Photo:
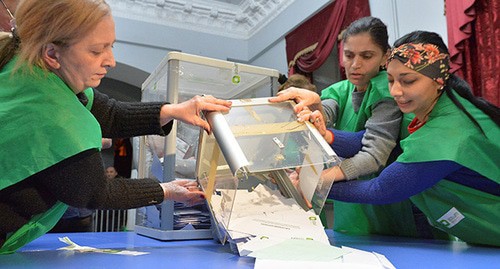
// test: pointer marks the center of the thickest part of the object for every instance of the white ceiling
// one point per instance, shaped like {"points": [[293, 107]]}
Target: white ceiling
{"points": [[230, 18]]}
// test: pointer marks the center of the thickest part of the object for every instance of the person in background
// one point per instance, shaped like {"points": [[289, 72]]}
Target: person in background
{"points": [[449, 165], [363, 124], [298, 81], [111, 220], [111, 172], [58, 51]]}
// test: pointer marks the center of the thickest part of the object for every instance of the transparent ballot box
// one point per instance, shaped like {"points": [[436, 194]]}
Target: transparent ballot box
{"points": [[178, 78], [260, 161]]}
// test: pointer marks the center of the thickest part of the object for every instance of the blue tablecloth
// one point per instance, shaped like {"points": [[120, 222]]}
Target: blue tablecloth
{"points": [[402, 252]]}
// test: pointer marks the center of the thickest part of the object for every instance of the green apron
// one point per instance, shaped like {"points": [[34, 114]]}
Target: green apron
{"points": [[42, 123], [363, 219], [469, 214]]}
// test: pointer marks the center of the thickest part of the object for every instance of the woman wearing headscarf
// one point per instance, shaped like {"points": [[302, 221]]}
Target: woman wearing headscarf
{"points": [[449, 167]]}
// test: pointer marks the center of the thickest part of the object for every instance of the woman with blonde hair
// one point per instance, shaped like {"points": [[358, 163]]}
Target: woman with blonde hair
{"points": [[52, 121]]}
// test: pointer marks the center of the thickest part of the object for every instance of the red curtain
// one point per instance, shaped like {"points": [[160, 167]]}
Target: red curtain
{"points": [[309, 45], [474, 44]]}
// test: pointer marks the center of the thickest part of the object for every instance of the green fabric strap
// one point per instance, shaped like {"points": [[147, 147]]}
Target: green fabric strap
{"points": [[36, 227], [363, 219], [42, 123]]}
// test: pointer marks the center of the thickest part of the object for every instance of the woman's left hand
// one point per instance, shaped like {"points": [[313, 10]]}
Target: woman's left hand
{"points": [[316, 118]]}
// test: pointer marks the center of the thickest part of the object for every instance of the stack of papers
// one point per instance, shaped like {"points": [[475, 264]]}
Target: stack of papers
{"points": [[301, 254], [278, 232]]}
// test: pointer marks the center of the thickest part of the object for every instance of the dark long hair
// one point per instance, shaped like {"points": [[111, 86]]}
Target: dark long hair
{"points": [[374, 27], [454, 83]]}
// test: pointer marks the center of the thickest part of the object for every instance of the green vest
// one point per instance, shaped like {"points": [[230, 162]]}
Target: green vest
{"points": [[469, 214], [363, 219], [42, 123]]}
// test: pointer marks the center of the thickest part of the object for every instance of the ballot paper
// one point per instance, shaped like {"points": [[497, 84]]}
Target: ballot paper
{"points": [[300, 250], [72, 246], [298, 255], [366, 258]]}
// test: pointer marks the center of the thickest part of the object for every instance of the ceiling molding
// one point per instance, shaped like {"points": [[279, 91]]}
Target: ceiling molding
{"points": [[239, 19]]}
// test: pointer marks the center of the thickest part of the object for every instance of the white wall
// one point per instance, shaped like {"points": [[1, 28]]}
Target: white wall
{"points": [[404, 16], [274, 57]]}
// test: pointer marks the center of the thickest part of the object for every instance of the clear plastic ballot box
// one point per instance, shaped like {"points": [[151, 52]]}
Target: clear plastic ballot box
{"points": [[178, 78], [259, 166]]}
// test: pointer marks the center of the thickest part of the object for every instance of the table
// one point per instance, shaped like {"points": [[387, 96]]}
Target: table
{"points": [[402, 252]]}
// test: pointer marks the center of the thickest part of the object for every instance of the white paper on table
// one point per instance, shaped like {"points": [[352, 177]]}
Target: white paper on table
{"points": [[300, 250], [256, 243], [354, 259], [72, 246], [366, 258], [384, 261], [273, 264]]}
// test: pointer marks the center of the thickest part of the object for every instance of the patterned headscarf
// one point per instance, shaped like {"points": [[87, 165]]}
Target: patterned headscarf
{"points": [[426, 59]]}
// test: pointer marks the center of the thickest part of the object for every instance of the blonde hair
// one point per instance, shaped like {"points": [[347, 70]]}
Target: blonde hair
{"points": [[62, 22], [299, 81]]}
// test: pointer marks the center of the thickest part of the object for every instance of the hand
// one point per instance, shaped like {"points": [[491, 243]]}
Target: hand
{"points": [[190, 111], [294, 178], [303, 98], [316, 118], [184, 191], [334, 174], [106, 143]]}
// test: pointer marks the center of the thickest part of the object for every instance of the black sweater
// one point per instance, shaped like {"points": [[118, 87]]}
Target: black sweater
{"points": [[80, 180]]}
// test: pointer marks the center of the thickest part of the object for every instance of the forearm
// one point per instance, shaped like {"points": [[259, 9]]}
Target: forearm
{"points": [[127, 119], [397, 182], [330, 111], [80, 181], [347, 144], [379, 139]]}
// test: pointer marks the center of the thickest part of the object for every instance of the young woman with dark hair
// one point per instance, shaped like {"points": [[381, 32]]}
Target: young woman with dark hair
{"points": [[449, 167], [363, 123]]}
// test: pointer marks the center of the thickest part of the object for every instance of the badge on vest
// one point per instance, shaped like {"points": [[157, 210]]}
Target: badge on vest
{"points": [[451, 218]]}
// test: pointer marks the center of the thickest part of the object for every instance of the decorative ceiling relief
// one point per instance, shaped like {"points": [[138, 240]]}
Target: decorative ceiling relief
{"points": [[230, 18]]}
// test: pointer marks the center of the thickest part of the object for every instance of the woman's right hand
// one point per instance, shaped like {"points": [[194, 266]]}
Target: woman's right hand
{"points": [[295, 180], [183, 191], [303, 98]]}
